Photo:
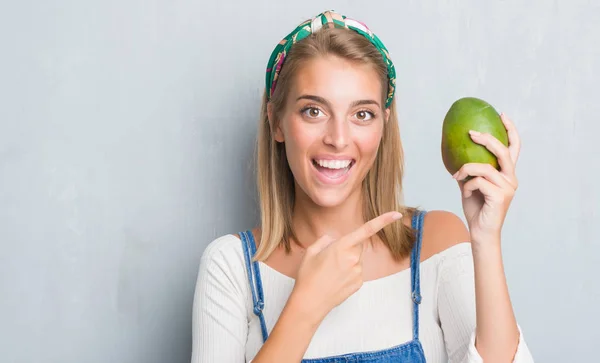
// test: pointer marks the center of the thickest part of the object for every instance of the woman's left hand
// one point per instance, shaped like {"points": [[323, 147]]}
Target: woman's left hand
{"points": [[487, 196]]}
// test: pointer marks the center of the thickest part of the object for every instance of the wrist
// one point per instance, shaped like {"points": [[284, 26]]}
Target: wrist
{"points": [[486, 249], [302, 312], [291, 335], [486, 241]]}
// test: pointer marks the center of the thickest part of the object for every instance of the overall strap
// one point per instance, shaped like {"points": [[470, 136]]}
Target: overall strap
{"points": [[258, 301], [415, 258]]}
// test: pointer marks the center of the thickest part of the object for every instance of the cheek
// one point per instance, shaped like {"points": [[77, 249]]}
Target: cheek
{"points": [[297, 142], [368, 142], [299, 136]]}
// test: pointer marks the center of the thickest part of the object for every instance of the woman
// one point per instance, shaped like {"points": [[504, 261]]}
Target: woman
{"points": [[340, 270]]}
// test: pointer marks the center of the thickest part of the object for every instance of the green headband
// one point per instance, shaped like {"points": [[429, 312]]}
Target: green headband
{"points": [[328, 19]]}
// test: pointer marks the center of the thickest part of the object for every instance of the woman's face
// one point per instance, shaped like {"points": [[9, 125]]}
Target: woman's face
{"points": [[332, 125]]}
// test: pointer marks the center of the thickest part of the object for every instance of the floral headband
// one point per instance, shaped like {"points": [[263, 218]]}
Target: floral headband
{"points": [[328, 19]]}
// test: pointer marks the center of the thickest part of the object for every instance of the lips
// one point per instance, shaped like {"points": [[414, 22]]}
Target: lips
{"points": [[333, 171]]}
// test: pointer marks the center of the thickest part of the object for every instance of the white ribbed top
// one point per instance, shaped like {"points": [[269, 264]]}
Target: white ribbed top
{"points": [[378, 316]]}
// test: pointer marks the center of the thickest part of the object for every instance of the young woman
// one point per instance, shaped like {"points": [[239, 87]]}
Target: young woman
{"points": [[340, 270]]}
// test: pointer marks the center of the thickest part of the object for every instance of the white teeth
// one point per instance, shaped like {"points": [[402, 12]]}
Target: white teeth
{"points": [[334, 164]]}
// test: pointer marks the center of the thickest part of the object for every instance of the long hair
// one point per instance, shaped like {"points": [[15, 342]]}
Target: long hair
{"points": [[382, 186]]}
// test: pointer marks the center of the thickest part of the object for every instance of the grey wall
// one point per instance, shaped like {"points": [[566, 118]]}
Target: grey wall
{"points": [[126, 129]]}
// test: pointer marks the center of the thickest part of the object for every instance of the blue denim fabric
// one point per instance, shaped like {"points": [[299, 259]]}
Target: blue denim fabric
{"points": [[409, 352]]}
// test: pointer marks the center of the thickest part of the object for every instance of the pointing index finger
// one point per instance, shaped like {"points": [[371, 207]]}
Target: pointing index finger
{"points": [[370, 228]]}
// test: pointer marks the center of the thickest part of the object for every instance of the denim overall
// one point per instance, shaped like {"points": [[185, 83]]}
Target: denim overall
{"points": [[409, 352]]}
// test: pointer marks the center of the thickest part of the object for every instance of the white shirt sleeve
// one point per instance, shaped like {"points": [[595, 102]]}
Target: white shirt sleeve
{"points": [[456, 307], [219, 324]]}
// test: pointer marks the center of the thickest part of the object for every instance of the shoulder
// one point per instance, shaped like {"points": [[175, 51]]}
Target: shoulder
{"points": [[222, 275], [224, 247], [224, 256], [442, 230]]}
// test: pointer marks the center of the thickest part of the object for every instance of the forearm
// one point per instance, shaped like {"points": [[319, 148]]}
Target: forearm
{"points": [[497, 335], [291, 335]]}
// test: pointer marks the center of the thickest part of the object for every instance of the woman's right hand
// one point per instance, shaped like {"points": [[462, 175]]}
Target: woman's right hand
{"points": [[331, 270]]}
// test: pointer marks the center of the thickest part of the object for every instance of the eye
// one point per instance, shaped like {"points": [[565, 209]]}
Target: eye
{"points": [[364, 115], [311, 112]]}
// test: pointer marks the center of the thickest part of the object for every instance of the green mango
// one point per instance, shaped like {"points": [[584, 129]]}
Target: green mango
{"points": [[470, 113]]}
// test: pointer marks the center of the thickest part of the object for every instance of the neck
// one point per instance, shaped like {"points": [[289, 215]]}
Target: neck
{"points": [[311, 221]]}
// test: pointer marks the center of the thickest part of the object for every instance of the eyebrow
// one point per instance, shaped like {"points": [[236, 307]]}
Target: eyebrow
{"points": [[326, 103]]}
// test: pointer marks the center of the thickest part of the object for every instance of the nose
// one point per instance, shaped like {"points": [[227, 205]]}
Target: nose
{"points": [[337, 133]]}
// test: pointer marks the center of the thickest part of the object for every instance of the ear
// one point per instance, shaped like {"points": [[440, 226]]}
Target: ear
{"points": [[387, 115], [276, 132]]}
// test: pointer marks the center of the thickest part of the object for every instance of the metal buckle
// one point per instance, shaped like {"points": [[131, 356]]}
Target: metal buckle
{"points": [[258, 307], [416, 297]]}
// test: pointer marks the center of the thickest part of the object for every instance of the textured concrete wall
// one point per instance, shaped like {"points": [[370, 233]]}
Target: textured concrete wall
{"points": [[126, 129]]}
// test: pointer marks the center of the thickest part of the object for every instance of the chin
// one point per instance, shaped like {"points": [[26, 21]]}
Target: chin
{"points": [[329, 199]]}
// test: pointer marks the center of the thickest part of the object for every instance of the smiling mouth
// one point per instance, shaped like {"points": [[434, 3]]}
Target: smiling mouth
{"points": [[333, 169]]}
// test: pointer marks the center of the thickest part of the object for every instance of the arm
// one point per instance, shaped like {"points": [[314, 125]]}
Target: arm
{"points": [[220, 323], [487, 193], [473, 303], [291, 335], [330, 271], [497, 332]]}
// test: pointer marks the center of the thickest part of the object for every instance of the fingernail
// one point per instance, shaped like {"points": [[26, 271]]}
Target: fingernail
{"points": [[475, 133], [397, 215], [455, 174]]}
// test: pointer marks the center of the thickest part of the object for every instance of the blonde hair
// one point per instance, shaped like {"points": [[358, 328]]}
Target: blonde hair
{"points": [[382, 186]]}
